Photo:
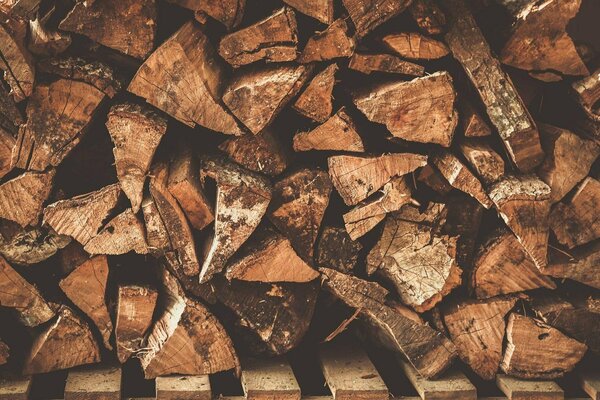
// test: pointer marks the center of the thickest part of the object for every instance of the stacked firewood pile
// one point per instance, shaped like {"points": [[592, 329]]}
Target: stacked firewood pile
{"points": [[186, 182]]}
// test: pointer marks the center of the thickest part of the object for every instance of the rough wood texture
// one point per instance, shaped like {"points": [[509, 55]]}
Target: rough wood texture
{"points": [[421, 110], [128, 26], [367, 63], [122, 234], [451, 385], [46, 41], [484, 160], [315, 102], [257, 95], [333, 42], [337, 133], [471, 121], [368, 14], [524, 205], [357, 177], [86, 288], [195, 387], [411, 242], [67, 342], [432, 178], [580, 265], [15, 388], [503, 104], [590, 383], [22, 198], [415, 46], [517, 389], [228, 12], [428, 16], [464, 220], [321, 10], [273, 39], [7, 142], [587, 94], [191, 81], [538, 351], [337, 250], [136, 132], [269, 379], [16, 62], [94, 383]]}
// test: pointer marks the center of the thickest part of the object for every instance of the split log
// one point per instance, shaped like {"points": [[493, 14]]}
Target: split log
{"points": [[57, 116], [10, 115], [21, 296], [31, 245], [414, 46], [262, 152], [394, 326], [298, 206], [67, 342], [484, 160], [357, 177], [7, 143], [86, 288], [464, 220], [369, 14], [366, 215], [321, 10], [4, 353], [367, 63], [44, 41], [16, 62], [315, 102], [421, 110], [22, 198], [333, 42], [472, 123], [186, 339], [71, 257], [460, 177], [411, 242], [428, 16], [122, 234], [580, 265], [273, 39], [227, 12], [256, 96], [81, 217], [538, 351], [587, 94], [242, 200], [191, 81], [136, 132], [524, 205], [184, 184], [477, 328], [156, 232], [128, 26], [569, 159], [269, 257], [502, 266], [337, 133], [337, 250], [503, 104], [20, 8], [135, 307], [434, 180], [576, 222]]}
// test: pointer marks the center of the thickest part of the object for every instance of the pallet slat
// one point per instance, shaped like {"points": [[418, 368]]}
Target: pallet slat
{"points": [[269, 379], [94, 383], [451, 385], [14, 388], [590, 383], [183, 388], [517, 389]]}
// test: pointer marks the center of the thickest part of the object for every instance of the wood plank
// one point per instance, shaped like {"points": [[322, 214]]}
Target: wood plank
{"points": [[269, 379], [94, 383], [349, 373], [195, 387], [517, 389], [15, 388], [590, 383], [452, 384]]}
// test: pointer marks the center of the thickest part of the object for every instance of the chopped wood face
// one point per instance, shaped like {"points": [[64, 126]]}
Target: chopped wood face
{"points": [[228, 12], [484, 160], [428, 16], [26, 246], [337, 250], [122, 234], [337, 133], [17, 64], [321, 10], [415, 46], [315, 102], [333, 42], [22, 198], [471, 121], [45, 41], [587, 93], [367, 63], [580, 266], [368, 14]]}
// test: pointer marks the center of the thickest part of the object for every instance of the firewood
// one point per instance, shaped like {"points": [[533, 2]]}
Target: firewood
{"points": [[337, 250], [502, 266], [539, 40], [31, 245], [186, 339], [587, 93], [46, 42], [86, 288], [273, 39], [428, 16], [369, 14], [396, 327], [191, 81], [4, 353], [71, 257], [298, 206], [321, 10], [184, 184], [333, 42], [471, 122], [22, 198], [580, 265], [20, 8], [357, 177], [477, 328], [460, 177], [81, 217], [269, 257], [366, 215], [136, 132], [21, 296], [415, 46], [411, 242], [367, 63], [228, 12], [122, 234], [509, 115], [262, 152], [256, 96], [538, 351], [67, 342], [434, 180], [135, 307], [17, 63], [524, 205], [421, 110], [315, 102], [10, 115], [242, 200], [464, 220], [569, 159], [484, 160], [128, 26], [337, 133], [57, 115]]}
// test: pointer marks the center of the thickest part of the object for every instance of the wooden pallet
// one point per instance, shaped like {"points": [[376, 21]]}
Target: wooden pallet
{"points": [[347, 370]]}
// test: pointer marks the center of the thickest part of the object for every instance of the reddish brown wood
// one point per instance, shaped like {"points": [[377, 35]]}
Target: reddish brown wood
{"points": [[333, 42], [367, 63], [321, 10], [415, 46], [368, 14], [22, 198], [315, 102], [337, 133]]}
